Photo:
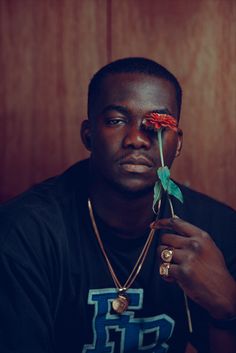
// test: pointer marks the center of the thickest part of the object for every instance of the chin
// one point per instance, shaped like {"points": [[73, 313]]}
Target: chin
{"points": [[133, 189]]}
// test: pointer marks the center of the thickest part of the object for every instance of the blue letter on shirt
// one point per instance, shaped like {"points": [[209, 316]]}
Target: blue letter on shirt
{"points": [[147, 335]]}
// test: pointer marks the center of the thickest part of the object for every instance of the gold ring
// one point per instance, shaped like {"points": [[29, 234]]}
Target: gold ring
{"points": [[167, 255], [164, 269]]}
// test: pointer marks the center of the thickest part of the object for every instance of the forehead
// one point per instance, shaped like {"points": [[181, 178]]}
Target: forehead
{"points": [[136, 91]]}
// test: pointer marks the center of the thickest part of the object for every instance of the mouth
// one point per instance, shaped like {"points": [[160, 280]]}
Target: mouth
{"points": [[136, 164]]}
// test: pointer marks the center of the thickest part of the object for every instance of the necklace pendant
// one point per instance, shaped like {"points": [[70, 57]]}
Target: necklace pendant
{"points": [[120, 304]]}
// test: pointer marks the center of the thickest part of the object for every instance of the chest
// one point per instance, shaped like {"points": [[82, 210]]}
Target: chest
{"points": [[154, 319]]}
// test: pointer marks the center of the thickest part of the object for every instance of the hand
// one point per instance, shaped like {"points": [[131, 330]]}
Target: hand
{"points": [[198, 267]]}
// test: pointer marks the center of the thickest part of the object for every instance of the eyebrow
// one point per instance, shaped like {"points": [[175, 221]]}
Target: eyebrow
{"points": [[126, 111], [119, 108]]}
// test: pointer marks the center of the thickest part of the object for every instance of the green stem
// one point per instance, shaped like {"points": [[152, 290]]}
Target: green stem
{"points": [[171, 206], [159, 137]]}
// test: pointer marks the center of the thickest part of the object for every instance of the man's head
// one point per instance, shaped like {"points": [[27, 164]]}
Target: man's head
{"points": [[121, 94], [131, 65]]}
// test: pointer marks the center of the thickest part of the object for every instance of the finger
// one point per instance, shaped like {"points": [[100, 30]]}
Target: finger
{"points": [[165, 270], [173, 240], [178, 255], [192, 245], [169, 272], [179, 226]]}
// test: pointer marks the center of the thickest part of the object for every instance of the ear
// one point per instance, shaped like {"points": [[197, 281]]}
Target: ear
{"points": [[85, 134], [179, 143]]}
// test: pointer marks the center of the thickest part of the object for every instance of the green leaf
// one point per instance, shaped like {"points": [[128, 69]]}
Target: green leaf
{"points": [[157, 194], [175, 191], [164, 176]]}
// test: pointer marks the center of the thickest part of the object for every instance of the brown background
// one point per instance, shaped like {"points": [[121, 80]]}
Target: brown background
{"points": [[50, 48]]}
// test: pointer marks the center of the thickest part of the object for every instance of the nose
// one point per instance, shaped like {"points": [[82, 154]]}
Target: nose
{"points": [[136, 137]]}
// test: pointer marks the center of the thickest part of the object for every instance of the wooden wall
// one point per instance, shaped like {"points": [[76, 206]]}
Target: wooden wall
{"points": [[50, 48]]}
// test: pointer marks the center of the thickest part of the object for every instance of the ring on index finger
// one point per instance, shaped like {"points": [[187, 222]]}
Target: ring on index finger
{"points": [[167, 255]]}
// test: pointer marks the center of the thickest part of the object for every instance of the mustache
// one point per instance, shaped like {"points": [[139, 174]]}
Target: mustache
{"points": [[136, 158]]}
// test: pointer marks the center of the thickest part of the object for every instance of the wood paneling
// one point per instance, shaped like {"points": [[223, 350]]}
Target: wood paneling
{"points": [[197, 41], [48, 52], [50, 48]]}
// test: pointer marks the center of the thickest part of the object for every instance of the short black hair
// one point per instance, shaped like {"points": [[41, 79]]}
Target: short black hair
{"points": [[132, 65]]}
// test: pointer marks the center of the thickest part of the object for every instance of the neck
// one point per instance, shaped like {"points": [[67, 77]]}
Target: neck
{"points": [[129, 214]]}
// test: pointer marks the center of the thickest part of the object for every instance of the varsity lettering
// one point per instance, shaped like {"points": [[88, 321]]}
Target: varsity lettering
{"points": [[132, 334]]}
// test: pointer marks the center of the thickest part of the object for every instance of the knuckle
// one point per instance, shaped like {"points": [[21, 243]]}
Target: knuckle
{"points": [[185, 271], [190, 257], [204, 234], [195, 245]]}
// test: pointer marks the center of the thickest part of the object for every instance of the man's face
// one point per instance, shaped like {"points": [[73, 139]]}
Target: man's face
{"points": [[122, 152]]}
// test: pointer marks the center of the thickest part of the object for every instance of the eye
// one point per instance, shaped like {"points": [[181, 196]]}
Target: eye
{"points": [[115, 121]]}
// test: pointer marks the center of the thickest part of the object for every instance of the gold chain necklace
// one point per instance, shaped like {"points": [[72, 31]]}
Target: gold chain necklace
{"points": [[120, 304]]}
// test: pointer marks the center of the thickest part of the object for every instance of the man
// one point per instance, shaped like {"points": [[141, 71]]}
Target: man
{"points": [[80, 268]]}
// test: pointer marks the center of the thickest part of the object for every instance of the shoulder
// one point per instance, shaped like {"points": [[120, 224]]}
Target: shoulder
{"points": [[51, 192], [200, 205], [216, 218], [36, 219]]}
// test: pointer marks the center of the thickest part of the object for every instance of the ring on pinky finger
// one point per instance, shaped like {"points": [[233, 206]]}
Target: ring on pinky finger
{"points": [[164, 269]]}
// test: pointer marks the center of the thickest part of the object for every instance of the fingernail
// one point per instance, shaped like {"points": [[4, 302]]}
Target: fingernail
{"points": [[155, 225], [152, 225]]}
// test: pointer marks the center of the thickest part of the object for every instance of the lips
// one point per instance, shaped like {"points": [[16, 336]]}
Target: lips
{"points": [[136, 164]]}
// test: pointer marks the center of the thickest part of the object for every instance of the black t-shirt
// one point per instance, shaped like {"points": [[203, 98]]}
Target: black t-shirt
{"points": [[56, 289]]}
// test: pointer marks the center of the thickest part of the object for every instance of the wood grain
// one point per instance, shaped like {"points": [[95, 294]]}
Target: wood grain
{"points": [[48, 52], [50, 48], [197, 41]]}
